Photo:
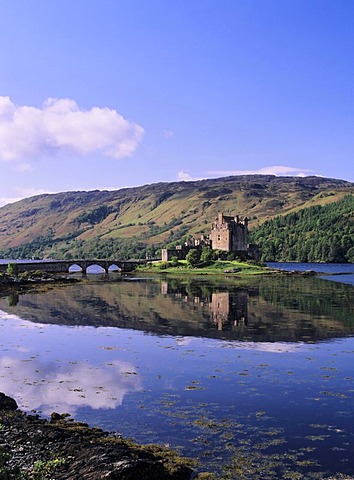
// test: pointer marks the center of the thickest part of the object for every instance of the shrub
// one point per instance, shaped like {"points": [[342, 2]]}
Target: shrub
{"points": [[217, 254], [12, 269], [13, 301], [231, 256], [163, 265], [174, 262]]}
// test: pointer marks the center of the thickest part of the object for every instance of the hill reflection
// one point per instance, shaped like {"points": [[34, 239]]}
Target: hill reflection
{"points": [[270, 309]]}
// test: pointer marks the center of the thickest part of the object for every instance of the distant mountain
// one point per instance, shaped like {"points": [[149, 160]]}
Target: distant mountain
{"points": [[134, 222]]}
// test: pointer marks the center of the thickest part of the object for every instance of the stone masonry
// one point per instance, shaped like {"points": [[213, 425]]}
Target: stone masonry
{"points": [[228, 234]]}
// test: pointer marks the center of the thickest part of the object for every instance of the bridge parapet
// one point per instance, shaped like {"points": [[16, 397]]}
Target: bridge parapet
{"points": [[63, 266]]}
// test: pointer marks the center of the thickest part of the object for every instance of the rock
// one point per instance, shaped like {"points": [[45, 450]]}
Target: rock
{"points": [[62, 449], [7, 403], [309, 272]]}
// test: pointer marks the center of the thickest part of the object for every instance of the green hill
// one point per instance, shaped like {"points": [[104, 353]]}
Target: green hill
{"points": [[134, 222], [315, 234]]}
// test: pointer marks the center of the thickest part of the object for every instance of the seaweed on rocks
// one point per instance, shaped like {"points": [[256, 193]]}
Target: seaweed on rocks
{"points": [[60, 448]]}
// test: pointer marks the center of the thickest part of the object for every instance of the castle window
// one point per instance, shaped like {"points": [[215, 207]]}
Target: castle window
{"points": [[219, 238]]}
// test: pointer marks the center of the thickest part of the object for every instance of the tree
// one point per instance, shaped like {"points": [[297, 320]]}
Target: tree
{"points": [[350, 255], [193, 257], [314, 234], [206, 256]]}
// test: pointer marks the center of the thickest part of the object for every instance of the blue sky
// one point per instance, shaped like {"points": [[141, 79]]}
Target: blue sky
{"points": [[113, 93]]}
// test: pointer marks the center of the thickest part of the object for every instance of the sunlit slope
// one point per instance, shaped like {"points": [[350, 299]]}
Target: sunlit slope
{"points": [[157, 213]]}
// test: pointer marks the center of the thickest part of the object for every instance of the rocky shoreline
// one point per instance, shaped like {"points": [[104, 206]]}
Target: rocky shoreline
{"points": [[60, 448], [33, 448], [32, 281], [36, 276]]}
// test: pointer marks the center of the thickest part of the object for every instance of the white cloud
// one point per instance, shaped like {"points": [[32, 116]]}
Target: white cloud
{"points": [[24, 167], [168, 134], [184, 341], [274, 347], [41, 384], [28, 132], [21, 194], [31, 192], [279, 170], [44, 386], [104, 188], [6, 200], [184, 176]]}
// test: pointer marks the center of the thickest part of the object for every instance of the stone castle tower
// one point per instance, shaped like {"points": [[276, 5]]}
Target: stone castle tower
{"points": [[229, 234]]}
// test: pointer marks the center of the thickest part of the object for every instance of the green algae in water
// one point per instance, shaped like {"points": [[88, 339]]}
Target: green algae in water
{"points": [[256, 399]]}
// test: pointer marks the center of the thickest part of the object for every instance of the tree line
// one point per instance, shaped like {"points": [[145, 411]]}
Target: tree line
{"points": [[314, 234]]}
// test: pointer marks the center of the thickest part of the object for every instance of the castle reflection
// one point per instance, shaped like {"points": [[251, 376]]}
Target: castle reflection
{"points": [[267, 310], [229, 310]]}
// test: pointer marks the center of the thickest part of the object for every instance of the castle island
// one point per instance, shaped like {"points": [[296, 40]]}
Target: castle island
{"points": [[227, 234]]}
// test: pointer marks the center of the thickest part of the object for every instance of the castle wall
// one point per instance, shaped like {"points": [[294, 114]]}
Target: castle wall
{"points": [[168, 253], [229, 234], [220, 237], [239, 238], [180, 252]]}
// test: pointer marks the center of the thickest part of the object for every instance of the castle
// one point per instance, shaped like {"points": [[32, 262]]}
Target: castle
{"points": [[228, 234]]}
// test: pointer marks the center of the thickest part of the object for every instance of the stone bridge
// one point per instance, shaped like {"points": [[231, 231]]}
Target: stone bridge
{"points": [[63, 266]]}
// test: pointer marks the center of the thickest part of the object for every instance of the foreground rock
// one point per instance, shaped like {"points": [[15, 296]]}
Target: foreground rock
{"points": [[59, 448]]}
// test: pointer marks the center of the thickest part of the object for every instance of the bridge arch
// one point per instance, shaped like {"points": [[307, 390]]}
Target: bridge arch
{"points": [[76, 267], [96, 263], [95, 267], [114, 267]]}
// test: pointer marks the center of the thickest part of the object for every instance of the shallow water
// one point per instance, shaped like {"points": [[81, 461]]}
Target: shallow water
{"points": [[252, 378], [336, 272]]}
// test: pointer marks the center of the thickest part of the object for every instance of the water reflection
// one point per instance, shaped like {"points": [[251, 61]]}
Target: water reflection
{"points": [[47, 369], [229, 310], [268, 310], [48, 387], [258, 392]]}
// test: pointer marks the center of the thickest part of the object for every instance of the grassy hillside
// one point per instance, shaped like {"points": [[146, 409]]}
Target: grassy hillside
{"points": [[137, 221]]}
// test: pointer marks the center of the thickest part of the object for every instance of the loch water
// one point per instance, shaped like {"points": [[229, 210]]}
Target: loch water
{"points": [[253, 377]]}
